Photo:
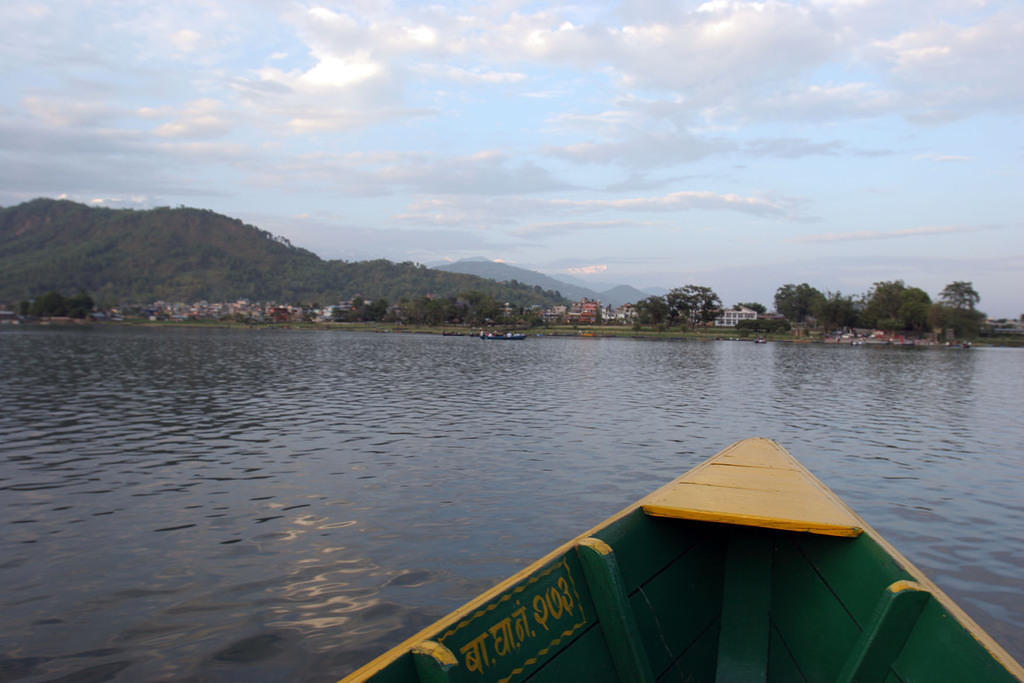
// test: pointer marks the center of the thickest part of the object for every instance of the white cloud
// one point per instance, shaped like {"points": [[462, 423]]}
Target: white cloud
{"points": [[643, 150], [186, 40], [687, 200], [64, 111], [335, 121], [588, 270], [518, 214], [132, 201], [206, 152], [420, 36], [328, 16], [203, 118], [329, 72], [924, 231], [641, 134], [340, 72], [941, 158], [948, 69], [152, 112], [591, 115], [565, 227], [814, 102], [708, 54], [792, 148], [485, 174], [469, 76]]}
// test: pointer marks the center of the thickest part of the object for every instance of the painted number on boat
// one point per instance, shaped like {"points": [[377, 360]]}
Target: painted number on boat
{"points": [[506, 637]]}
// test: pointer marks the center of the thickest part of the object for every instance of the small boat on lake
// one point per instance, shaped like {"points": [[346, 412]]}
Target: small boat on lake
{"points": [[746, 568], [505, 336]]}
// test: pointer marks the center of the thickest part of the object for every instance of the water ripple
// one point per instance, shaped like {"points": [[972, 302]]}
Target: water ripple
{"points": [[197, 504]]}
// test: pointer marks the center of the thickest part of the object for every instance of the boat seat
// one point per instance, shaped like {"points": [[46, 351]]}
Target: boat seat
{"points": [[880, 643], [604, 579], [746, 603], [745, 630]]}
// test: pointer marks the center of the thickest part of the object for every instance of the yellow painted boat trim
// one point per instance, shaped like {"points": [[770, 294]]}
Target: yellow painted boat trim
{"points": [[766, 457], [754, 483], [436, 651]]}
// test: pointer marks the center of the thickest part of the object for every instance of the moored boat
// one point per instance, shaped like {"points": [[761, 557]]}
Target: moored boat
{"points": [[745, 568], [506, 335]]}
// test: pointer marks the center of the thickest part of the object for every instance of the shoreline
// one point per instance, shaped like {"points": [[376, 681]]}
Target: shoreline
{"points": [[563, 331]]}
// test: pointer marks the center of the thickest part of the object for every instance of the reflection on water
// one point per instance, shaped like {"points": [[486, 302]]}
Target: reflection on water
{"points": [[268, 505]]}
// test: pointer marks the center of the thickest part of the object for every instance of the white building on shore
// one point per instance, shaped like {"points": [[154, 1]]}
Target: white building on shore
{"points": [[730, 317]]}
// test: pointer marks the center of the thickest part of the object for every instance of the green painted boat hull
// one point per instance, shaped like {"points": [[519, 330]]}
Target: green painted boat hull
{"points": [[643, 598]]}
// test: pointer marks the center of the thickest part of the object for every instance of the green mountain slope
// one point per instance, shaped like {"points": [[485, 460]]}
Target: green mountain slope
{"points": [[183, 254]]}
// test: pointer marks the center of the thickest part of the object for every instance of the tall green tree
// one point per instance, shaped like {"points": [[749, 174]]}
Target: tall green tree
{"points": [[480, 307], [378, 310], [914, 309], [708, 304], [679, 305], [693, 304], [882, 305], [960, 296], [957, 309], [51, 303], [893, 306], [80, 305], [797, 302], [653, 310], [835, 311]]}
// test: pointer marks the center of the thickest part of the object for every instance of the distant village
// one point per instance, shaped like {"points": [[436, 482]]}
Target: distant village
{"points": [[583, 312]]}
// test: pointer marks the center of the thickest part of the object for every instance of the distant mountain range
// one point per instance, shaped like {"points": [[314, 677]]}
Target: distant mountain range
{"points": [[502, 272], [183, 254]]}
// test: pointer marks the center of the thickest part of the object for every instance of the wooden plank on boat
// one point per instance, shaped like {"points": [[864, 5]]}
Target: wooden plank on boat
{"points": [[755, 483], [746, 610]]}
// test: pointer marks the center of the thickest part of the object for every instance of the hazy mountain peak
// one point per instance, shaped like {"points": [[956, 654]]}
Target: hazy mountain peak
{"points": [[613, 295]]}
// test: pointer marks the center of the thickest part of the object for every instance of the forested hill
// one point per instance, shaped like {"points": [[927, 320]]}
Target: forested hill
{"points": [[183, 254]]}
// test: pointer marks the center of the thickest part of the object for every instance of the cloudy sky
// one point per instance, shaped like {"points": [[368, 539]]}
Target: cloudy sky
{"points": [[739, 145]]}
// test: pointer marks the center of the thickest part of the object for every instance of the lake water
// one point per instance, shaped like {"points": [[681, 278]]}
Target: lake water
{"points": [[266, 505]]}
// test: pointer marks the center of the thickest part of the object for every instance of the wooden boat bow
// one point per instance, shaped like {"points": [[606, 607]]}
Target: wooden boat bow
{"points": [[745, 568], [754, 483]]}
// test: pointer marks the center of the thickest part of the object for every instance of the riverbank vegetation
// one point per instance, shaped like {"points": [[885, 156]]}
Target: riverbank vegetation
{"points": [[889, 306], [889, 309]]}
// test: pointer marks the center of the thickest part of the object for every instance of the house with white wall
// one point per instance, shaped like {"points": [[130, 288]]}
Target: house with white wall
{"points": [[732, 316]]}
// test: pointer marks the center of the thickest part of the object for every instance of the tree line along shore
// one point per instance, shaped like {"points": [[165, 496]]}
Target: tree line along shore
{"points": [[889, 310]]}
